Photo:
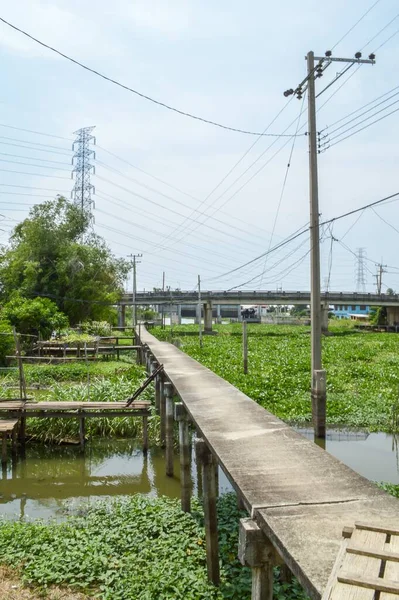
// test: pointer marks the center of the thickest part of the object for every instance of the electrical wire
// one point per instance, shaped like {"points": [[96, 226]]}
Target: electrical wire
{"points": [[362, 128], [36, 132], [356, 24], [363, 121], [133, 91], [384, 221], [34, 174], [283, 186], [58, 162], [16, 162]]}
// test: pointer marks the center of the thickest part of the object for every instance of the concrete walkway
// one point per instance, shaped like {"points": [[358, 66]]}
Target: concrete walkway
{"points": [[300, 495]]}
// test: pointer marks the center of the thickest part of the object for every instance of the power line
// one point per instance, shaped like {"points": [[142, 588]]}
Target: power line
{"points": [[34, 174], [133, 91], [33, 158], [362, 128], [3, 137], [36, 132], [283, 186], [16, 162], [356, 24], [363, 121]]}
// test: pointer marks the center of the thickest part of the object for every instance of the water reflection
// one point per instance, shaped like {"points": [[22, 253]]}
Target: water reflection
{"points": [[39, 482], [373, 455], [48, 481]]}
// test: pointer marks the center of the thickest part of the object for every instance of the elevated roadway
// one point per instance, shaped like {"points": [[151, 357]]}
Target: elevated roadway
{"points": [[258, 297]]}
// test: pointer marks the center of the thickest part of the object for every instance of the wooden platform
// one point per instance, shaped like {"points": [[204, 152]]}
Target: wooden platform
{"points": [[299, 495], [7, 429], [367, 565], [20, 410]]}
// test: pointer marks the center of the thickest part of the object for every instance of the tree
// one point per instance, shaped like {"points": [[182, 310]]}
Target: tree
{"points": [[390, 292], [54, 254], [34, 316]]}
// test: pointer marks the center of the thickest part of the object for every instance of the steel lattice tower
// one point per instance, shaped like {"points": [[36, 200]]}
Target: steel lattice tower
{"points": [[361, 270], [83, 189]]}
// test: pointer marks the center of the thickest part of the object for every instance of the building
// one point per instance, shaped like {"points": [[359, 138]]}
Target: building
{"points": [[358, 312]]}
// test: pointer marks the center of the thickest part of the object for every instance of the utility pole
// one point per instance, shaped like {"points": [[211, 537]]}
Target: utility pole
{"points": [[318, 376], [134, 273], [200, 310], [163, 306], [380, 271], [83, 169]]}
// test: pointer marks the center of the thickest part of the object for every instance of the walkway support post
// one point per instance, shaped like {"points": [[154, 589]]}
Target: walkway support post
{"points": [[209, 467], [82, 432], [168, 392], [218, 315], [319, 403], [184, 444], [245, 346], [162, 409], [158, 391], [255, 551]]}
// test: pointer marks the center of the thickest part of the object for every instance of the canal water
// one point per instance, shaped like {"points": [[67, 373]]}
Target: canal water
{"points": [[52, 481]]}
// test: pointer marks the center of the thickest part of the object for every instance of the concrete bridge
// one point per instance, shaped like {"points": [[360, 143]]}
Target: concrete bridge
{"points": [[211, 299]]}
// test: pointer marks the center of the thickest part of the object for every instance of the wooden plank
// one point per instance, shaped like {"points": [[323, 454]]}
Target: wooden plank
{"points": [[8, 425], [388, 530], [391, 571], [370, 583], [382, 554]]}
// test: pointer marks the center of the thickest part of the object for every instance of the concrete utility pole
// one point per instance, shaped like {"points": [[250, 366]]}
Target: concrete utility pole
{"points": [[199, 310], [318, 378], [378, 277], [134, 272], [163, 307]]}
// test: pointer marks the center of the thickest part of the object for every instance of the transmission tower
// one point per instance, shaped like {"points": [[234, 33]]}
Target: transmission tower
{"points": [[361, 270], [83, 189]]}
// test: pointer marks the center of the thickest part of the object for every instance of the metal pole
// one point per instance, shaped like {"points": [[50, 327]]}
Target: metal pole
{"points": [[315, 300], [200, 310]]}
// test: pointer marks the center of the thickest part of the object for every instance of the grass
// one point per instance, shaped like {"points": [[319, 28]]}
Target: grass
{"points": [[140, 548], [362, 370]]}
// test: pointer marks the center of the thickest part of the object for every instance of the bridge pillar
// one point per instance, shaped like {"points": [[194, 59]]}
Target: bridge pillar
{"points": [[239, 315], [324, 317], [178, 309], [122, 315], [198, 311], [393, 316], [218, 315], [207, 317]]}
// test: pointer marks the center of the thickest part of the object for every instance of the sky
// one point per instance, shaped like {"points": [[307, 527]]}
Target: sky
{"points": [[192, 198]]}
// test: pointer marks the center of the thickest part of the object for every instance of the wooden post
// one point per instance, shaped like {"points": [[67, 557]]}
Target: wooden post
{"points": [[14, 440], [198, 463], [117, 347], [162, 410], [184, 444], [168, 392], [22, 428], [158, 393], [245, 346], [145, 434], [4, 448], [319, 403], [82, 432], [255, 551], [209, 467]]}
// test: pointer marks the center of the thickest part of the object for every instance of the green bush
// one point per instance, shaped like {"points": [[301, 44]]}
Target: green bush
{"points": [[34, 316], [6, 341]]}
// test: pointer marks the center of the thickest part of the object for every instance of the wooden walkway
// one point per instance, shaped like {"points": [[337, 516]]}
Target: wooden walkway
{"points": [[299, 495]]}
